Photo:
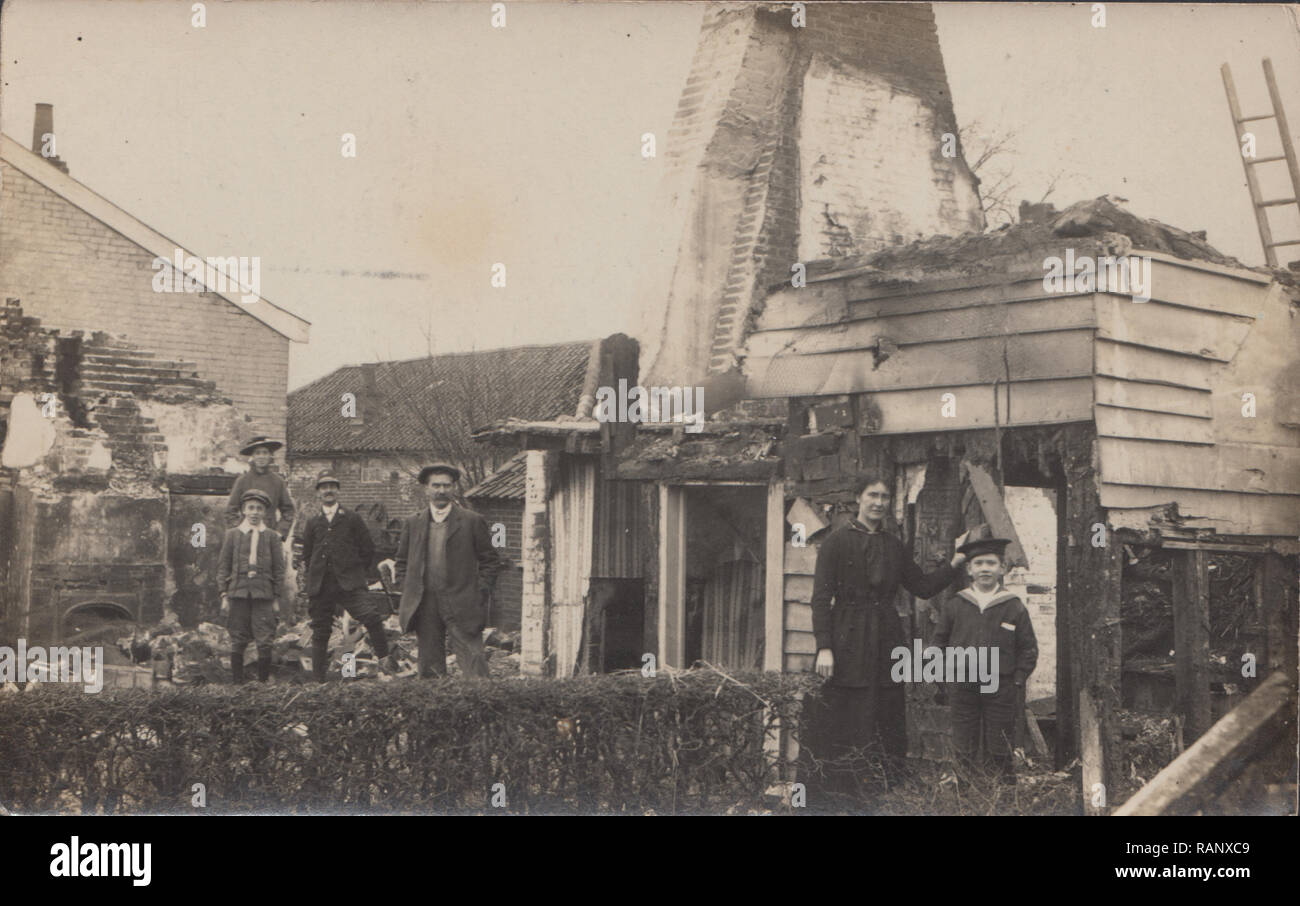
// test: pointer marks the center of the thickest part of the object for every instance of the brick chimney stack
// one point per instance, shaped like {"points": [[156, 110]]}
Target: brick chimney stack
{"points": [[829, 137], [43, 126]]}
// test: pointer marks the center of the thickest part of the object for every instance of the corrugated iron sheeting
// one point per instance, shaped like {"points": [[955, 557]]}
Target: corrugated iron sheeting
{"points": [[620, 530], [733, 616], [572, 512]]}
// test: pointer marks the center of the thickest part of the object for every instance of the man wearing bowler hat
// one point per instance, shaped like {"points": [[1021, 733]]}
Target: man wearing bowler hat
{"points": [[338, 552], [279, 512], [446, 567]]}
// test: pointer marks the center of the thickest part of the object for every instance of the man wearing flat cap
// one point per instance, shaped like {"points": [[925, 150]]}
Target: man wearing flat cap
{"points": [[279, 512], [339, 552], [987, 617], [446, 567]]}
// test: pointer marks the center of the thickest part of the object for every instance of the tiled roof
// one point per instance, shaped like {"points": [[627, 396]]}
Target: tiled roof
{"points": [[472, 389], [506, 482]]}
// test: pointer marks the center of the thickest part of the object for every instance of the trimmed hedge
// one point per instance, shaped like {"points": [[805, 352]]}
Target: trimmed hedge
{"points": [[681, 742]]}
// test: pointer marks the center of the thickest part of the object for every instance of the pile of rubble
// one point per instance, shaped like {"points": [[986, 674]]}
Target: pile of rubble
{"points": [[202, 654]]}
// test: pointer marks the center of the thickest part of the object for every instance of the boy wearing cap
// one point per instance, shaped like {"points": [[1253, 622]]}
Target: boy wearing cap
{"points": [[250, 575], [338, 551], [446, 567], [986, 615], [259, 475]]}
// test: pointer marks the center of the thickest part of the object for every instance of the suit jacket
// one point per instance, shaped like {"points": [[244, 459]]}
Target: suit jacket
{"points": [[233, 577], [344, 545], [472, 566]]}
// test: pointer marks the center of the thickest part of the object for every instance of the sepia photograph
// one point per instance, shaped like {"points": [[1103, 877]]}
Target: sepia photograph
{"points": [[649, 409]]}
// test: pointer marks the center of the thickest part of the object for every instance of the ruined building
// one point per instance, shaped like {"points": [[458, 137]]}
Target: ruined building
{"points": [[376, 425], [823, 273], [112, 489], [79, 262], [122, 408]]}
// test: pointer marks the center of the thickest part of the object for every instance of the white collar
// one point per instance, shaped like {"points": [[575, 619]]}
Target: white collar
{"points": [[329, 510], [985, 600], [247, 527], [434, 512]]}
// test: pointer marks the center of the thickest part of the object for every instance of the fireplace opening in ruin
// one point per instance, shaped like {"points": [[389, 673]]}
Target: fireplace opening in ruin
{"points": [[96, 624]]}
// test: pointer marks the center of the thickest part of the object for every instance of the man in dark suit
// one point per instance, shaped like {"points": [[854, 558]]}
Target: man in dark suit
{"points": [[446, 567], [338, 552]]}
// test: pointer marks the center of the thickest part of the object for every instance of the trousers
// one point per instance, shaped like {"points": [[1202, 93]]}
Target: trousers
{"points": [[431, 632], [988, 718], [321, 609]]}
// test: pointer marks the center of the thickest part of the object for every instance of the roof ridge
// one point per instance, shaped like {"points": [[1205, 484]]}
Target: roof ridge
{"points": [[441, 356]]}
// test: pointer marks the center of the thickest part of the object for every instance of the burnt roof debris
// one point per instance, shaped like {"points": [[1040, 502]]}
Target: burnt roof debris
{"points": [[1100, 224]]}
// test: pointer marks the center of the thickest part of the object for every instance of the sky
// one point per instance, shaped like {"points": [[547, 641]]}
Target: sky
{"points": [[471, 139]]}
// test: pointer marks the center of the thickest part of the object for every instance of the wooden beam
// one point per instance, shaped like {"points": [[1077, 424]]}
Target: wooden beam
{"points": [[672, 575], [1195, 776], [799, 663], [1176, 545], [1049, 313], [1089, 592], [1093, 762], [802, 561], [534, 604], [1191, 587], [798, 616], [1184, 330], [774, 572], [994, 510], [1138, 363], [1113, 421], [799, 588], [800, 643], [1056, 354], [1226, 512], [1153, 397], [1035, 733], [1278, 603], [1039, 402], [1226, 466]]}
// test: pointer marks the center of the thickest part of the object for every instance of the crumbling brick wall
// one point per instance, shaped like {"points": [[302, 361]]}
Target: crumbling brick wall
{"points": [[87, 515], [75, 273]]}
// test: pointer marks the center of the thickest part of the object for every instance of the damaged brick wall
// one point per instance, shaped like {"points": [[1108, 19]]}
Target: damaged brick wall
{"points": [[88, 513], [76, 273]]}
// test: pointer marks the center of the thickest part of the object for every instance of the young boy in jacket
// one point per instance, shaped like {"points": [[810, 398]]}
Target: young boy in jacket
{"points": [[250, 575], [987, 616]]}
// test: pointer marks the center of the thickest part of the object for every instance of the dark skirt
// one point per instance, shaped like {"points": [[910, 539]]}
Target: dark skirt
{"points": [[853, 742]]}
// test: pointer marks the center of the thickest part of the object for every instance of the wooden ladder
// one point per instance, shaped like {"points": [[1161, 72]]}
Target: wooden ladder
{"points": [[1261, 205]]}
